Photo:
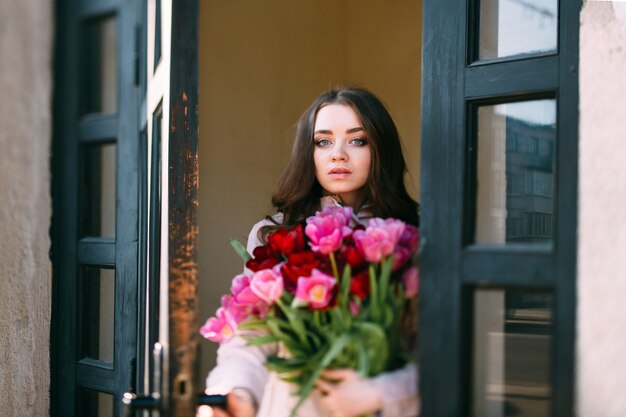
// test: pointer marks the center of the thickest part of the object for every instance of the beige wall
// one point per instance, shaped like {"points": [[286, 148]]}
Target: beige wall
{"points": [[601, 317], [25, 279], [261, 64]]}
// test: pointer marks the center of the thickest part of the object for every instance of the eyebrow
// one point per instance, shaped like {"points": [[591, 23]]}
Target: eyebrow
{"points": [[330, 132]]}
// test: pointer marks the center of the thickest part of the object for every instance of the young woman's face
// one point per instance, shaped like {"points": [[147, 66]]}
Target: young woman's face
{"points": [[342, 153]]}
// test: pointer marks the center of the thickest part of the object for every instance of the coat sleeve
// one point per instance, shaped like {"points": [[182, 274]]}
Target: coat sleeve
{"points": [[400, 392], [240, 365]]}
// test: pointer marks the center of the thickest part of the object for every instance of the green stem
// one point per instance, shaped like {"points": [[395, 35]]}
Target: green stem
{"points": [[333, 263]]}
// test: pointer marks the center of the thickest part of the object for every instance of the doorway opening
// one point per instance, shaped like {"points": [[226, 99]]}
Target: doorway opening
{"points": [[260, 66]]}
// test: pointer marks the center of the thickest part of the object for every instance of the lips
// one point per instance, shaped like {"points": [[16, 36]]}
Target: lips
{"points": [[339, 170]]}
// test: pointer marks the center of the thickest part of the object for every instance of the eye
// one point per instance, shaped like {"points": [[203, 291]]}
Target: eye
{"points": [[323, 142], [358, 142]]}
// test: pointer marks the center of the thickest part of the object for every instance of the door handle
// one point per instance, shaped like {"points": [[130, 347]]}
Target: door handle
{"points": [[133, 402]]}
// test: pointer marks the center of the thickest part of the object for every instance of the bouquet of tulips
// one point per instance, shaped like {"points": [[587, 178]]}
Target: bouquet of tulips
{"points": [[332, 294]]}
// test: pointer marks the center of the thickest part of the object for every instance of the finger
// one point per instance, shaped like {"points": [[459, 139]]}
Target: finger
{"points": [[323, 386], [338, 374], [204, 411]]}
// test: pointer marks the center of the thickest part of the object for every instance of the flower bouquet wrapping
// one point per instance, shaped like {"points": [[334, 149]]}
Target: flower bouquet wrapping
{"points": [[332, 294]]}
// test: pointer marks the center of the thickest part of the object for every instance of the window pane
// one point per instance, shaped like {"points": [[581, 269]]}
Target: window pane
{"points": [[511, 360], [512, 27], [97, 301], [99, 190], [515, 172], [99, 66], [157, 34], [94, 403]]}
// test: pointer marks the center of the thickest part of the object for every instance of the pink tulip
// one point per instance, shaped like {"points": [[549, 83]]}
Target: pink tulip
{"points": [[220, 328], [241, 291], [379, 239], [267, 284], [411, 281], [316, 290], [244, 297], [239, 312], [327, 229]]}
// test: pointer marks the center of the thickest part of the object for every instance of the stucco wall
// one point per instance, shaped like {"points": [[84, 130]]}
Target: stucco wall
{"points": [[601, 317], [25, 279], [261, 64]]}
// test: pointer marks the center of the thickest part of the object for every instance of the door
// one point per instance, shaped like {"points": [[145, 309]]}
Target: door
{"points": [[124, 227], [95, 225], [499, 179]]}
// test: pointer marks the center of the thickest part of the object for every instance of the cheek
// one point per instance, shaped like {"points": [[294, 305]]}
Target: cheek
{"points": [[317, 160], [365, 161]]}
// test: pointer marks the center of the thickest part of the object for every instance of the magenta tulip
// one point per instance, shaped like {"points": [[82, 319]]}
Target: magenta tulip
{"points": [[327, 229]]}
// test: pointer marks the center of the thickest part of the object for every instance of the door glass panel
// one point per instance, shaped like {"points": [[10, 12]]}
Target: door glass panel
{"points": [[515, 172], [157, 34], [94, 403], [97, 299], [99, 66], [513, 27], [511, 359], [99, 190]]}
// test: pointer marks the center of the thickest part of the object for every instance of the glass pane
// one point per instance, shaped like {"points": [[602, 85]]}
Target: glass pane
{"points": [[157, 34], [511, 360], [515, 172], [99, 190], [512, 27], [99, 66], [94, 403], [97, 312]]}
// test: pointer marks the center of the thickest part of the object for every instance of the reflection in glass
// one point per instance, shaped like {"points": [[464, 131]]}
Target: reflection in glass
{"points": [[515, 172], [94, 403], [99, 66], [98, 190], [157, 34], [512, 27], [511, 360], [97, 303]]}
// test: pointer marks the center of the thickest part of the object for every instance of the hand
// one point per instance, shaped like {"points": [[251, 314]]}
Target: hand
{"points": [[239, 403], [346, 394]]}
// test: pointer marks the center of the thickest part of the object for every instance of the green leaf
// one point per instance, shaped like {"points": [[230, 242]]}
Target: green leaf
{"points": [[334, 350], [263, 340], [240, 249]]}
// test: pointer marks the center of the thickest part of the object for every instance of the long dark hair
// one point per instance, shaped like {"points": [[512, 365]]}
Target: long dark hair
{"points": [[298, 194]]}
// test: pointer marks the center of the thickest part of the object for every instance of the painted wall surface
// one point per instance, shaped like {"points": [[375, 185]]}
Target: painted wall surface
{"points": [[261, 64], [601, 316], [25, 207]]}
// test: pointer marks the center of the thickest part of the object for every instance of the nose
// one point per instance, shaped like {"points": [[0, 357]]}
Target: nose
{"points": [[338, 153]]}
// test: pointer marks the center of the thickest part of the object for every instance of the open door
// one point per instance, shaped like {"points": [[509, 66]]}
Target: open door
{"points": [[124, 228], [499, 181]]}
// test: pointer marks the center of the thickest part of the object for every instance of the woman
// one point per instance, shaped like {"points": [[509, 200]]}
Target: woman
{"points": [[347, 152]]}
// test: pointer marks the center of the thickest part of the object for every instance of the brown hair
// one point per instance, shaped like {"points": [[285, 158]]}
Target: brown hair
{"points": [[298, 194]]}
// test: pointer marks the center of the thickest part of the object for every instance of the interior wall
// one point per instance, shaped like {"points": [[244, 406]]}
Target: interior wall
{"points": [[261, 64]]}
